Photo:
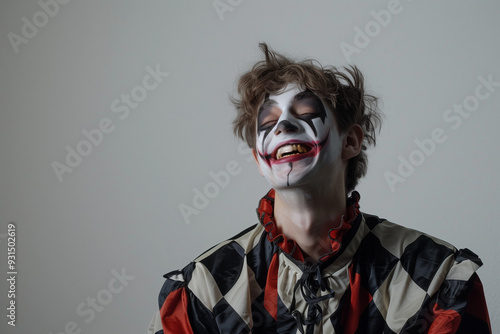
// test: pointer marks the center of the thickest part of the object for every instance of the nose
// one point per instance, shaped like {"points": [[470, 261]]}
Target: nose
{"points": [[285, 126]]}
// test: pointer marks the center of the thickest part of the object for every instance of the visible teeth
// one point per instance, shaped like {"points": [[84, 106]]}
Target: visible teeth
{"points": [[288, 150]]}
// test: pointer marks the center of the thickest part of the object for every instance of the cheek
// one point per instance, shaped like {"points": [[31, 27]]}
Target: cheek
{"points": [[334, 148], [264, 139], [322, 128]]}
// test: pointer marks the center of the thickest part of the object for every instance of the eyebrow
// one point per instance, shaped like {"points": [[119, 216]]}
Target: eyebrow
{"points": [[304, 95], [308, 98], [307, 94]]}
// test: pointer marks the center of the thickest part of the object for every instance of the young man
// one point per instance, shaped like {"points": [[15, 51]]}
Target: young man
{"points": [[314, 263]]}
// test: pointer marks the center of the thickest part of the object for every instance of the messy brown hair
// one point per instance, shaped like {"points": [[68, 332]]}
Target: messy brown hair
{"points": [[342, 92]]}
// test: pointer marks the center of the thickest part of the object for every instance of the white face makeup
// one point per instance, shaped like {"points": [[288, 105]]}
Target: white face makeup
{"points": [[297, 138]]}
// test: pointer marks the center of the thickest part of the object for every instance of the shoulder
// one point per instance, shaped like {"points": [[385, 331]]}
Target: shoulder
{"points": [[404, 241], [229, 256], [399, 239], [238, 245], [222, 268], [404, 251]]}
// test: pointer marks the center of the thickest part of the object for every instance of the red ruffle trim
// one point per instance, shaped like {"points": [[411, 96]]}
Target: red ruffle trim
{"points": [[265, 212]]}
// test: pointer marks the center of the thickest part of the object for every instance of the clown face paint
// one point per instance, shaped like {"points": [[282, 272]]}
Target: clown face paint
{"points": [[297, 139]]}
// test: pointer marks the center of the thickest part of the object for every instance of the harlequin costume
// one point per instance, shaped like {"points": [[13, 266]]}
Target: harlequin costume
{"points": [[379, 277]]}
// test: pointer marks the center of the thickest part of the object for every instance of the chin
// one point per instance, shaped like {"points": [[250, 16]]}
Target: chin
{"points": [[302, 173]]}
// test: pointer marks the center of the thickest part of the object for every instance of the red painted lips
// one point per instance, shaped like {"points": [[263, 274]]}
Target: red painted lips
{"points": [[293, 150]]}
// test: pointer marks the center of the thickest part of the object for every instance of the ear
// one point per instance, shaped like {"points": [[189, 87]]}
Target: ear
{"points": [[353, 142], [254, 152]]}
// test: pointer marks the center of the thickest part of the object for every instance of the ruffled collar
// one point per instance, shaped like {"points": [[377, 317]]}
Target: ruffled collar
{"points": [[265, 212]]}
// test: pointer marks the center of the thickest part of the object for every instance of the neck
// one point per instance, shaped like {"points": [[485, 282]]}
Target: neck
{"points": [[307, 214]]}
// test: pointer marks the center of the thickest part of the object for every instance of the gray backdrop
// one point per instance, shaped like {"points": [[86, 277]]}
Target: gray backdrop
{"points": [[115, 118]]}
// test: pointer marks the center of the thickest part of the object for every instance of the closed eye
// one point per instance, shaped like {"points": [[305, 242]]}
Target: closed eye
{"points": [[267, 125], [309, 114], [306, 111], [268, 117]]}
